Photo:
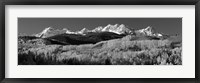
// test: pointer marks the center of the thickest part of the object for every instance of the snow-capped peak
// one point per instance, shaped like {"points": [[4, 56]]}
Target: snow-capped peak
{"points": [[98, 29], [67, 31], [109, 27], [46, 30], [83, 31], [122, 25], [149, 31], [118, 29]]}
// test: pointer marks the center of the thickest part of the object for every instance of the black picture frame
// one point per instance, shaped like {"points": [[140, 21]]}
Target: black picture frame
{"points": [[98, 2]]}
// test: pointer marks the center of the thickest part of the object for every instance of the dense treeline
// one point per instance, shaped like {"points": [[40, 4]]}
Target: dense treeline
{"points": [[124, 51]]}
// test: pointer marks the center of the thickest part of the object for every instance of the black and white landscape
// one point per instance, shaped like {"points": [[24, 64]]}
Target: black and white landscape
{"points": [[135, 41]]}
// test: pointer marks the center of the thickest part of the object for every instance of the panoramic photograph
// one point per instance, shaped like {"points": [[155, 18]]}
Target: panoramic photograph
{"points": [[99, 41]]}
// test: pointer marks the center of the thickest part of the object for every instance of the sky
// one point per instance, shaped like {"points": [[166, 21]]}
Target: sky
{"points": [[36, 25]]}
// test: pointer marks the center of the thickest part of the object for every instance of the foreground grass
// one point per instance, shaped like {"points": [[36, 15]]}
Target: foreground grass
{"points": [[113, 52]]}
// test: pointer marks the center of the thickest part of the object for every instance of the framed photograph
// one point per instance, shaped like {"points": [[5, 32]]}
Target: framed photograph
{"points": [[56, 40]]}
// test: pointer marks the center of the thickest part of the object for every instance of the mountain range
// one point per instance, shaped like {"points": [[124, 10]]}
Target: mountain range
{"points": [[64, 36], [117, 29]]}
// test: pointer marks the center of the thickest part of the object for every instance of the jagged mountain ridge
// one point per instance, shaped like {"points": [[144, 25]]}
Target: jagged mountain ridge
{"points": [[117, 29], [98, 34]]}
